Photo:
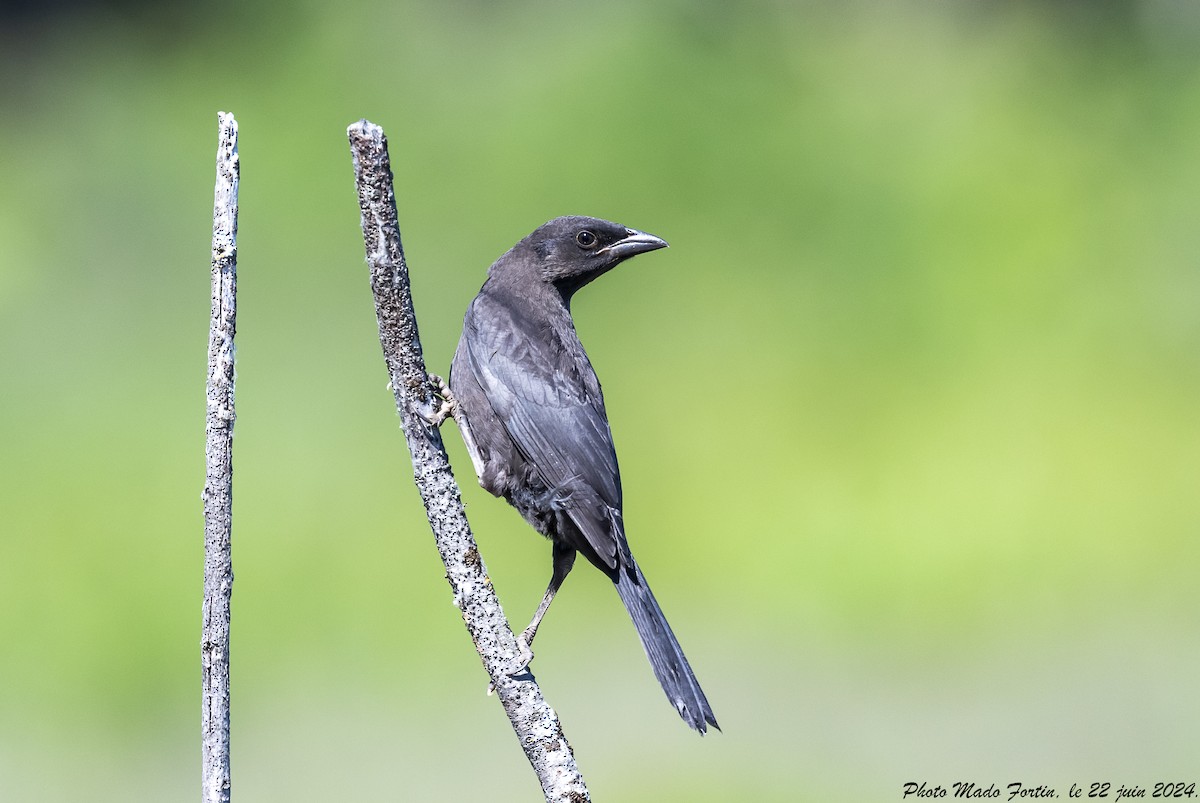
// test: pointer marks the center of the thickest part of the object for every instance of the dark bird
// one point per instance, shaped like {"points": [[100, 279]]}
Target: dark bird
{"points": [[530, 410]]}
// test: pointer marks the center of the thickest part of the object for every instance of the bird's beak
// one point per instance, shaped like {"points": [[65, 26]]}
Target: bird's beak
{"points": [[633, 243]]}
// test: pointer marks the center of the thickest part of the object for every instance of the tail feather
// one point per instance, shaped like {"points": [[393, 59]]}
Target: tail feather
{"points": [[662, 648]]}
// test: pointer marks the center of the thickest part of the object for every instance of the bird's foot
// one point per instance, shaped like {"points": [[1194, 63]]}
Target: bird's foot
{"points": [[520, 665], [448, 407], [524, 655]]}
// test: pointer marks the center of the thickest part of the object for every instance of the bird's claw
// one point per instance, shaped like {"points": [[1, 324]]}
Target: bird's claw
{"points": [[519, 666], [448, 407]]}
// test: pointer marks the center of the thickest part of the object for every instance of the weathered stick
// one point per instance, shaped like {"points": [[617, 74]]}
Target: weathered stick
{"points": [[218, 482], [533, 720]]}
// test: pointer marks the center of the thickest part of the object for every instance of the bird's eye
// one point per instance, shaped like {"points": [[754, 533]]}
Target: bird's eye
{"points": [[585, 239]]}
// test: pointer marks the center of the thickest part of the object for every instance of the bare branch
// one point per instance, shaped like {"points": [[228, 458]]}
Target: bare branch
{"points": [[534, 721], [218, 483]]}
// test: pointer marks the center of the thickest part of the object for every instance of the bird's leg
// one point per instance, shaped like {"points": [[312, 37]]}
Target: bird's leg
{"points": [[564, 559], [450, 408]]}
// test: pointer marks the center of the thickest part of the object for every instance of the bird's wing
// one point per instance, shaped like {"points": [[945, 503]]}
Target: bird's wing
{"points": [[544, 391]]}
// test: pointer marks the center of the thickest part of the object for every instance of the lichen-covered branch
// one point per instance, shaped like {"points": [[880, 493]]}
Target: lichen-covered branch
{"points": [[218, 482], [534, 721]]}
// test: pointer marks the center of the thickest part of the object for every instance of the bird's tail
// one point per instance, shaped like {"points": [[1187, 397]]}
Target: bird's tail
{"points": [[666, 656]]}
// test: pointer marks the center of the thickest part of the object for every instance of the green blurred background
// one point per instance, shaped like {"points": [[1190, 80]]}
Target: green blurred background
{"points": [[907, 413]]}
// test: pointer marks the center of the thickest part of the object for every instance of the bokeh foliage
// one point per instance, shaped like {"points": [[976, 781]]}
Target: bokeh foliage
{"points": [[907, 414]]}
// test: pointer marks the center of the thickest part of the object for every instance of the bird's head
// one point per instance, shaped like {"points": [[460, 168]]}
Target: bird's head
{"points": [[572, 251]]}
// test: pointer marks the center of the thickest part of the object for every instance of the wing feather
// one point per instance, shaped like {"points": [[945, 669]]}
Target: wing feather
{"points": [[545, 393]]}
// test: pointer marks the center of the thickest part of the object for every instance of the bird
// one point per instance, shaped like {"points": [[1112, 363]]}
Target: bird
{"points": [[531, 413]]}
